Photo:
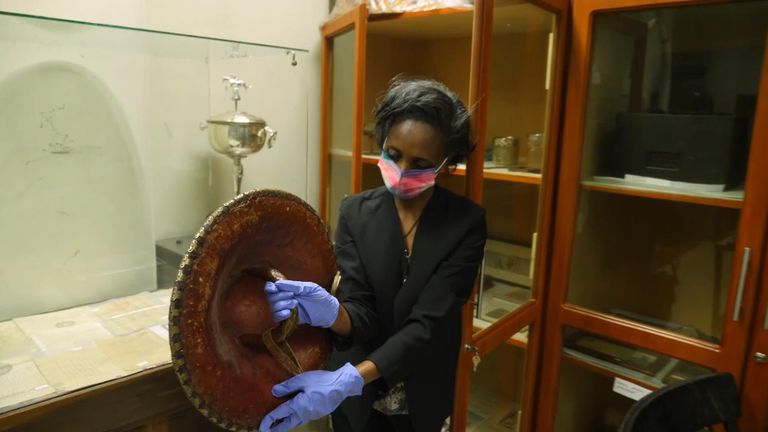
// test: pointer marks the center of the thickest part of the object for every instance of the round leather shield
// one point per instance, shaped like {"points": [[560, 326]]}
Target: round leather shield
{"points": [[227, 351]]}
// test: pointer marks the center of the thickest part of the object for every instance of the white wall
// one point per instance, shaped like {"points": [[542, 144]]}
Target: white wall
{"points": [[293, 23]]}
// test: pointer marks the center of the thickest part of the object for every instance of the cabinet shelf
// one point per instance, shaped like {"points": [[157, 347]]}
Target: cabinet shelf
{"points": [[488, 174], [610, 370], [511, 176], [340, 154], [727, 199], [615, 359]]}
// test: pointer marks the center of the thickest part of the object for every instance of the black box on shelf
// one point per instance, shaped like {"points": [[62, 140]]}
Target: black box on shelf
{"points": [[693, 148], [168, 255]]}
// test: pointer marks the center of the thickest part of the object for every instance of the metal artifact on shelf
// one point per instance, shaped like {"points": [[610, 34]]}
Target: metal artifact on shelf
{"points": [[238, 134]]}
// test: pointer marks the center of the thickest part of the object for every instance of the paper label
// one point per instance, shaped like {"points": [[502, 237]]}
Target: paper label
{"points": [[628, 389]]}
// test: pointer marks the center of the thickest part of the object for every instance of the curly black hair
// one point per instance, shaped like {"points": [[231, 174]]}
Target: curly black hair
{"points": [[431, 102]]}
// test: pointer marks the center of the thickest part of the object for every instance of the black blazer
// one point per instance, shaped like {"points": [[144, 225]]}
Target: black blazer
{"points": [[412, 332]]}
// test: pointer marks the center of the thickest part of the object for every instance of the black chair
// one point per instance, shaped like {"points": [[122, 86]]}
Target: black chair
{"points": [[689, 406]]}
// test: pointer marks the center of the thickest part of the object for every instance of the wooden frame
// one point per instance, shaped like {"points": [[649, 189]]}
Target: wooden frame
{"points": [[666, 196], [481, 35], [144, 400], [546, 238], [361, 25], [356, 20], [548, 313], [754, 394], [729, 354], [406, 15]]}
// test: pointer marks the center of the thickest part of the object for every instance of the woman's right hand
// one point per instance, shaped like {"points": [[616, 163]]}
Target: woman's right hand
{"points": [[314, 394], [316, 306]]}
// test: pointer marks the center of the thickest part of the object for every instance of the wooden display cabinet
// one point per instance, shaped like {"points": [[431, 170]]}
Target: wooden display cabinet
{"points": [[656, 269], [644, 260], [504, 59]]}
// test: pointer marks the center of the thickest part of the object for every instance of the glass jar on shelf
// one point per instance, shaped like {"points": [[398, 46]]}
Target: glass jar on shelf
{"points": [[505, 151], [535, 146]]}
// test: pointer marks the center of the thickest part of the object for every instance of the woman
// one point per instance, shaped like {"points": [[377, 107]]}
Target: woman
{"points": [[408, 254]]}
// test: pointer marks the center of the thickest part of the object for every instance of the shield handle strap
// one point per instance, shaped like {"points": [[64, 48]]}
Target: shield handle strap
{"points": [[277, 343], [280, 348]]}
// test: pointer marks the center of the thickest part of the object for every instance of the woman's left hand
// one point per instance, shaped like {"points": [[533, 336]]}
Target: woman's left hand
{"points": [[316, 306], [318, 393]]}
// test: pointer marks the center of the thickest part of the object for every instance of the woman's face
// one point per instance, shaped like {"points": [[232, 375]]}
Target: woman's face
{"points": [[413, 144]]}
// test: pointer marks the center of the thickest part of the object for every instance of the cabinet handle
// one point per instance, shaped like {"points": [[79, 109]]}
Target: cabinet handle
{"points": [[742, 279], [534, 245], [765, 321]]}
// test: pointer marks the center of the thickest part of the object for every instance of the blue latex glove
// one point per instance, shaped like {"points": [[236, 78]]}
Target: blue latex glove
{"points": [[317, 307], [318, 393]]}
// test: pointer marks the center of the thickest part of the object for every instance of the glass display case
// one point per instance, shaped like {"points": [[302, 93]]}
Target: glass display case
{"points": [[107, 175], [503, 59], [666, 141], [650, 140], [519, 53], [661, 206]]}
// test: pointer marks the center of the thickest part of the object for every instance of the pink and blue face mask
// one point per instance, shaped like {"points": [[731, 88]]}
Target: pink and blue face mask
{"points": [[406, 184]]}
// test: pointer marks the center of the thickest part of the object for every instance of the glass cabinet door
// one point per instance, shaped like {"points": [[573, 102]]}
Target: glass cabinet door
{"points": [[497, 389], [669, 113], [339, 158], [516, 140], [515, 107]]}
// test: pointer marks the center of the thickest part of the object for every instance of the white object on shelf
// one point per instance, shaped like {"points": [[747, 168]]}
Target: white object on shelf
{"points": [[628, 389], [693, 187], [620, 183], [340, 152]]}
